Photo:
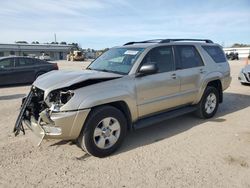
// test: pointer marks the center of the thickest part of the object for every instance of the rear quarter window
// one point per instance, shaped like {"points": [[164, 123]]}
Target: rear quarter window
{"points": [[216, 53]]}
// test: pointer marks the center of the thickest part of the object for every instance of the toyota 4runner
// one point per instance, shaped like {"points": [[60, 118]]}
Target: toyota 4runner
{"points": [[127, 88]]}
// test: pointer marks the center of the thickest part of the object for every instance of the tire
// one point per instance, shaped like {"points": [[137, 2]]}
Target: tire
{"points": [[103, 132], [208, 105]]}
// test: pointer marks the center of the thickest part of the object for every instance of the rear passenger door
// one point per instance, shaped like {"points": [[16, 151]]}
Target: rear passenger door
{"points": [[159, 91], [191, 69], [24, 70]]}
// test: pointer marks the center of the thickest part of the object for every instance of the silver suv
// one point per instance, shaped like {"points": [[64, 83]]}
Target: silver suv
{"points": [[128, 87]]}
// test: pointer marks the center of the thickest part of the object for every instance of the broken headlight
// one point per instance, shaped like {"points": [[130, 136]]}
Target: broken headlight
{"points": [[56, 99]]}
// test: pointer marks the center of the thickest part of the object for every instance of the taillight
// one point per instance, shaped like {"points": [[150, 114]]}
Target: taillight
{"points": [[55, 66]]}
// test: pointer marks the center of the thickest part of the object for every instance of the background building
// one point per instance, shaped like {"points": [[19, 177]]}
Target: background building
{"points": [[55, 51]]}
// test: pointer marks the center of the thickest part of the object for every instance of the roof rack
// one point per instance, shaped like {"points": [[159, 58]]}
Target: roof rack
{"points": [[146, 41], [176, 40], [168, 41]]}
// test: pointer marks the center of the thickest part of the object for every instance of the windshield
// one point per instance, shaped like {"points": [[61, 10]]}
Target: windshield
{"points": [[117, 60]]}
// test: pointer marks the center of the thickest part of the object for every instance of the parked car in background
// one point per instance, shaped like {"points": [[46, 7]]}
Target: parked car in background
{"points": [[45, 57], [20, 70], [244, 76], [232, 56]]}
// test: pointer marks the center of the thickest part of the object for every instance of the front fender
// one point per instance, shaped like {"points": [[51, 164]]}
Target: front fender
{"points": [[102, 99]]}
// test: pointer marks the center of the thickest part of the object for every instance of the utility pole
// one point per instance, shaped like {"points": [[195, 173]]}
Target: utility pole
{"points": [[55, 36]]}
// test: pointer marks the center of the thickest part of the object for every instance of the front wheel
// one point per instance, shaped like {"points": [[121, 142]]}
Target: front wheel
{"points": [[103, 132], [209, 103]]}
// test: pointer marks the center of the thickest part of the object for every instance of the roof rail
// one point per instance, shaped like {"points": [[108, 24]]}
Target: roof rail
{"points": [[175, 40], [145, 41], [167, 41]]}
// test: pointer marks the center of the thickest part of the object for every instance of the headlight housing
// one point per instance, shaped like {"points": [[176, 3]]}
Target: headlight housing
{"points": [[56, 99]]}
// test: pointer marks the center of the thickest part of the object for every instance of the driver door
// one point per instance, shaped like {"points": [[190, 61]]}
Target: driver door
{"points": [[158, 92]]}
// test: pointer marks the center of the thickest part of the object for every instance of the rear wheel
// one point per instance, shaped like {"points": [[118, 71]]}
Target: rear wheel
{"points": [[209, 103], [104, 131]]}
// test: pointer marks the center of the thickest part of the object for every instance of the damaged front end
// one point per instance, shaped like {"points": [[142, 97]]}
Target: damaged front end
{"points": [[44, 117], [32, 106]]}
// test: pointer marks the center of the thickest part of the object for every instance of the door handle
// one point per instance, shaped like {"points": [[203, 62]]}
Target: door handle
{"points": [[173, 76], [202, 71]]}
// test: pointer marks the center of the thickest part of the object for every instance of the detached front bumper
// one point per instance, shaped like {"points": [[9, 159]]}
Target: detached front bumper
{"points": [[49, 124], [61, 125]]}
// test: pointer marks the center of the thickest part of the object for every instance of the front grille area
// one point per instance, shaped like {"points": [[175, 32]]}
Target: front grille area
{"points": [[36, 104], [247, 75]]}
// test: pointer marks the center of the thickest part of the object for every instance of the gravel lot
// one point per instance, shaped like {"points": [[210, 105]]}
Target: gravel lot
{"points": [[182, 152]]}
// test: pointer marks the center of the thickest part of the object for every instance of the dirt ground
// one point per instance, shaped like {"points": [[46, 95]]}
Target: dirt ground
{"points": [[182, 152]]}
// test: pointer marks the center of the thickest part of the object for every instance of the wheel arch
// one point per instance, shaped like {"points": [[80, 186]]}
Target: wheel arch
{"points": [[217, 84], [123, 107]]}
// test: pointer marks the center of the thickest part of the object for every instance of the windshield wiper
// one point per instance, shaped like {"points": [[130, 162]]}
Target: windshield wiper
{"points": [[106, 70]]}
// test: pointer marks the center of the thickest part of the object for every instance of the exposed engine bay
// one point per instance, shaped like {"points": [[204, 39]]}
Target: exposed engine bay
{"points": [[35, 108]]}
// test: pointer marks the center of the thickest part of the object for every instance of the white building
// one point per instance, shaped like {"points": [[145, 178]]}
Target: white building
{"points": [[242, 51], [55, 51]]}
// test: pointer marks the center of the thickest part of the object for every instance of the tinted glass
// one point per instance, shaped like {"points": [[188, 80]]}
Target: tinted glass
{"points": [[188, 57], [163, 57], [7, 63], [21, 62], [118, 60], [216, 53]]}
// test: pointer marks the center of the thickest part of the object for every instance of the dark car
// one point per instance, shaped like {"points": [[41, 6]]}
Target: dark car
{"points": [[232, 56], [22, 70]]}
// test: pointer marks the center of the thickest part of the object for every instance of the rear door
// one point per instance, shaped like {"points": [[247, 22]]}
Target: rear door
{"points": [[7, 75], [25, 69], [159, 91], [191, 70]]}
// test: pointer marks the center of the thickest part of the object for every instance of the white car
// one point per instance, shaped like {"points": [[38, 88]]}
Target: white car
{"points": [[244, 76]]}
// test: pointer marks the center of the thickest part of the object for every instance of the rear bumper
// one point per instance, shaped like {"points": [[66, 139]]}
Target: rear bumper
{"points": [[59, 125], [226, 82]]}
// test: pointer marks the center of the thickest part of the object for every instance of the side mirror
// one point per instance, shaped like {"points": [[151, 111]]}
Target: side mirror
{"points": [[148, 69]]}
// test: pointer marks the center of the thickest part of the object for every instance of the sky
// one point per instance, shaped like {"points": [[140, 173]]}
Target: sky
{"points": [[105, 23]]}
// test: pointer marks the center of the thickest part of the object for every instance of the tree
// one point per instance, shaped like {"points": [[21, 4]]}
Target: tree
{"points": [[21, 42], [236, 45]]}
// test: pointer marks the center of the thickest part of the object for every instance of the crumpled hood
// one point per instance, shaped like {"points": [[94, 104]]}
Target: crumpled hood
{"points": [[61, 79]]}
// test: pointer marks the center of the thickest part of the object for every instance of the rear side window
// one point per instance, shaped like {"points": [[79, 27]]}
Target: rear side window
{"points": [[188, 57], [22, 62], [216, 53]]}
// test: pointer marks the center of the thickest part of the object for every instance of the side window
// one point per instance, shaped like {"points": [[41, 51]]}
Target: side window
{"points": [[163, 57], [216, 53], [188, 57], [29, 61], [22, 62], [7, 63]]}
